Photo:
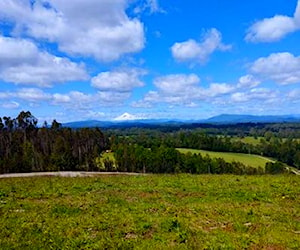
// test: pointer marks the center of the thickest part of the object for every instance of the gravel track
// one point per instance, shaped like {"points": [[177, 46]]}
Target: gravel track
{"points": [[65, 174]]}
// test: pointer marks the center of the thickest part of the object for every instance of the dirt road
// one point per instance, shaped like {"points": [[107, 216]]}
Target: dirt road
{"points": [[65, 174]]}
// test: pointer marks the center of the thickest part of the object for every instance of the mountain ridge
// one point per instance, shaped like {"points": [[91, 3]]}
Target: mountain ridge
{"points": [[219, 119]]}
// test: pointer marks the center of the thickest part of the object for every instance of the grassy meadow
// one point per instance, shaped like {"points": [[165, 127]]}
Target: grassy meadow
{"points": [[249, 139], [151, 212], [246, 159]]}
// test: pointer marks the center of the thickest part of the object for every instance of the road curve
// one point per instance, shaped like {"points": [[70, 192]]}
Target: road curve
{"points": [[66, 174]]}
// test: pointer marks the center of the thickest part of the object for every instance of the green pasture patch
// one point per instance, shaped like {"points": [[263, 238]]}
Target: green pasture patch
{"points": [[249, 140], [151, 212], [246, 159]]}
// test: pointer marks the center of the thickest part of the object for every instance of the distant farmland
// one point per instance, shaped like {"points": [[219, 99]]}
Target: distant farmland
{"points": [[246, 159]]}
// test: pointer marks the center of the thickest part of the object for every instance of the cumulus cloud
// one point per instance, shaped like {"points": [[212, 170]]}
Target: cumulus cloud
{"points": [[76, 100], [109, 98], [217, 89], [294, 95], [282, 68], [154, 6], [193, 51], [256, 94], [61, 98], [151, 5], [100, 29], [173, 89], [21, 62], [275, 28], [119, 80], [32, 95], [182, 89], [248, 81], [177, 83], [26, 94], [10, 105], [94, 114]]}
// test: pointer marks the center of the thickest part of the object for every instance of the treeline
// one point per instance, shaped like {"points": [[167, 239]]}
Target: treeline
{"points": [[284, 150], [280, 130], [26, 148], [135, 158]]}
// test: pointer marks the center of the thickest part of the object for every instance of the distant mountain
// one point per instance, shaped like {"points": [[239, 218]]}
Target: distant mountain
{"points": [[220, 119], [126, 117], [120, 123], [228, 118], [87, 124]]}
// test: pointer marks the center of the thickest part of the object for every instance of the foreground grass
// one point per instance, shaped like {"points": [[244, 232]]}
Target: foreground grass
{"points": [[151, 212], [246, 159]]}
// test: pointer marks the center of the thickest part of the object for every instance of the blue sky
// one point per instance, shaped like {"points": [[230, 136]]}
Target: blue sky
{"points": [[139, 59]]}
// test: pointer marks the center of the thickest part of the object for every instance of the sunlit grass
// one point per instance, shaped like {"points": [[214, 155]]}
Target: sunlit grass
{"points": [[151, 212], [246, 159], [250, 140]]}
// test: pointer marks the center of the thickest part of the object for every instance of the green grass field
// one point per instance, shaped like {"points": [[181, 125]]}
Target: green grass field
{"points": [[250, 140], [151, 212], [247, 159]]}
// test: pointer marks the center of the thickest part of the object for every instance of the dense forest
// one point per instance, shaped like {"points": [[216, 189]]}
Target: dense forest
{"points": [[26, 147]]}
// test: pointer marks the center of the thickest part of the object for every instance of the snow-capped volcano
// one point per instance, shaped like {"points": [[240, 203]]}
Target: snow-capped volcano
{"points": [[126, 117]]}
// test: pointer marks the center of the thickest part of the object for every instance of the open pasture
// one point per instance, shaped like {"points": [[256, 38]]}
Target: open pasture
{"points": [[151, 212], [246, 159]]}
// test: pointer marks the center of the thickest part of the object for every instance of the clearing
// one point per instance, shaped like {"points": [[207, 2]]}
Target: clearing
{"points": [[246, 159]]}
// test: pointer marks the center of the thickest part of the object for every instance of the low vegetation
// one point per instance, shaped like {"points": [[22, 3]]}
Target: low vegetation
{"points": [[151, 212], [246, 159]]}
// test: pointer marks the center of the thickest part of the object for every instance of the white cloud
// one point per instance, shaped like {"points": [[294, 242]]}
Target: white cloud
{"points": [[283, 68], [151, 5], [149, 99], [248, 81], [141, 104], [27, 94], [194, 51], [21, 62], [182, 89], [87, 104], [108, 98], [177, 83], [94, 114], [217, 89], [10, 105], [100, 29], [256, 94], [119, 80], [74, 100], [32, 95], [239, 97], [294, 95], [77, 100], [61, 98], [275, 28]]}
